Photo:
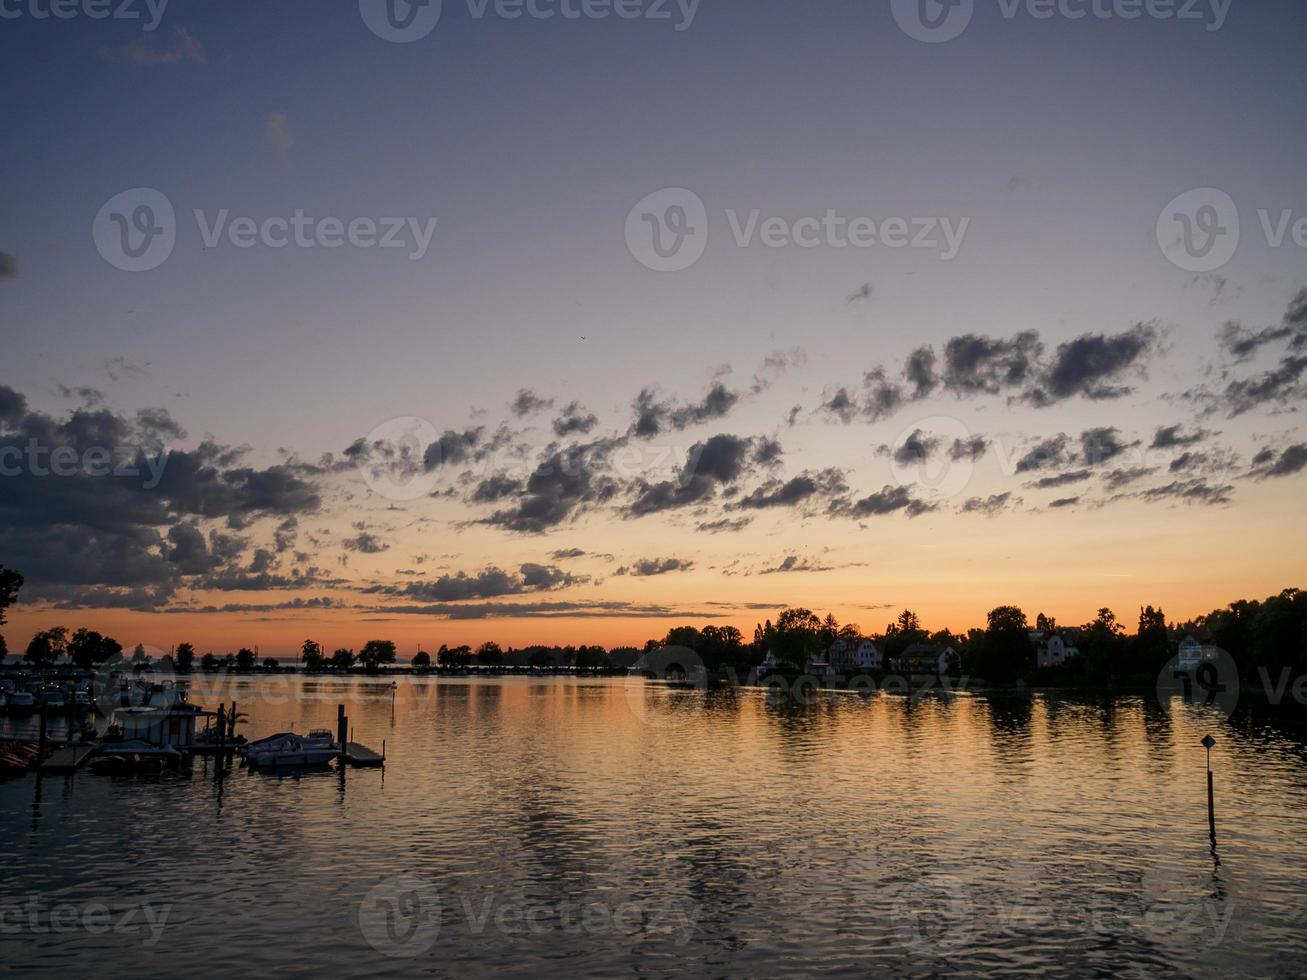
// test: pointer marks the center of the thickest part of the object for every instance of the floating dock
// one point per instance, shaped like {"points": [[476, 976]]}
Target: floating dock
{"points": [[69, 758], [361, 755]]}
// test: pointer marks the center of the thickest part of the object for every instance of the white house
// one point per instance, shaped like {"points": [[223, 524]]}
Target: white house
{"points": [[1194, 652], [853, 655], [928, 658], [1053, 649]]}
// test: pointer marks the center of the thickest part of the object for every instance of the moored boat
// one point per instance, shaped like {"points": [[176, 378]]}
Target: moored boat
{"points": [[290, 749]]}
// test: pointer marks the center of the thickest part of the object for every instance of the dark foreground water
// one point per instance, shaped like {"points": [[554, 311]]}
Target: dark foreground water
{"points": [[556, 827]]}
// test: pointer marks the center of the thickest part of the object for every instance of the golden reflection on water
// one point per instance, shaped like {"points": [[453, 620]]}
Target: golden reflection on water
{"points": [[739, 833]]}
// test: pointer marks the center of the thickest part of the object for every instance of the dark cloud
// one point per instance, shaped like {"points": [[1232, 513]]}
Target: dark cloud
{"points": [[121, 517], [968, 449], [1102, 445], [775, 364], [648, 567], [365, 543], [90, 397], [549, 610], [715, 405], [1190, 491], [653, 417], [1173, 437], [1278, 386], [920, 372], [528, 402], [1243, 344], [566, 481], [8, 266], [1292, 460], [1046, 454], [724, 526], [1062, 479], [452, 447], [793, 563], [976, 364], [495, 488], [916, 449], [1090, 364], [840, 404], [887, 500], [1065, 502], [565, 553], [575, 420], [487, 584], [990, 506], [13, 406], [798, 490], [720, 461], [1116, 479]]}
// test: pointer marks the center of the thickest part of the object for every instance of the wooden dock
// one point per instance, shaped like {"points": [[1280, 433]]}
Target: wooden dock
{"points": [[361, 755], [69, 758]]}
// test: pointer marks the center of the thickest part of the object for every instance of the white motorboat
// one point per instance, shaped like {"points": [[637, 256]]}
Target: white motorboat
{"points": [[317, 748], [21, 703], [54, 698]]}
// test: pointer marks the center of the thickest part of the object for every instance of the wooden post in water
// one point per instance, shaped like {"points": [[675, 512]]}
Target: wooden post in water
{"points": [[1208, 742], [44, 715], [222, 732], [341, 729]]}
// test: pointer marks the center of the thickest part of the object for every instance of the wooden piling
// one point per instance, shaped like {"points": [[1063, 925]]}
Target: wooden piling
{"points": [[1208, 742], [341, 729], [44, 716]]}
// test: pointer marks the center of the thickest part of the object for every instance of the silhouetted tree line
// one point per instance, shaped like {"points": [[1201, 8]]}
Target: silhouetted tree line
{"points": [[1267, 636]]}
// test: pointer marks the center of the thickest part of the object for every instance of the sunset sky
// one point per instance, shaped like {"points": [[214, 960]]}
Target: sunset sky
{"points": [[1036, 386]]}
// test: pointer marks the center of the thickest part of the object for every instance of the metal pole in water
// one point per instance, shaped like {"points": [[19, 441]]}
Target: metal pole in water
{"points": [[1208, 742]]}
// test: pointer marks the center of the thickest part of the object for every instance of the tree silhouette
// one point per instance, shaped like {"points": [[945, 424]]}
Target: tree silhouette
{"points": [[375, 653], [47, 646]]}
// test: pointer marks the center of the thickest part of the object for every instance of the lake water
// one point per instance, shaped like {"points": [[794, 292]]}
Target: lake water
{"points": [[596, 828]]}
